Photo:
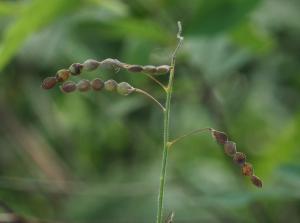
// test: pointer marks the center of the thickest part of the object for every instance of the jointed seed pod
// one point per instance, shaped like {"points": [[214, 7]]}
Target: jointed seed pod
{"points": [[48, 83], [239, 158], [256, 181], [247, 169], [135, 68], [62, 75], [76, 68], [68, 87], [90, 65], [149, 69], [83, 85], [220, 137], [163, 69], [97, 84], [124, 88], [110, 85]]}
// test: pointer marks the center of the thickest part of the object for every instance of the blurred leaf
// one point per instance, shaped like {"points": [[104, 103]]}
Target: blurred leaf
{"points": [[37, 15]]}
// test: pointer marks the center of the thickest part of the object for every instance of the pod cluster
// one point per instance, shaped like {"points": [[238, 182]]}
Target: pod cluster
{"points": [[238, 157], [96, 84]]}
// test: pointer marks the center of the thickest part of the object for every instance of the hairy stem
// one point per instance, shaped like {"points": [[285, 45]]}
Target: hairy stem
{"points": [[171, 143], [151, 97], [166, 129]]}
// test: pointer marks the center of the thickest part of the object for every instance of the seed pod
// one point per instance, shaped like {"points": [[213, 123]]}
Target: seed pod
{"points": [[149, 69], [247, 169], [109, 63], [230, 148], [48, 83], [124, 88], [135, 68], [239, 158], [68, 87], [110, 85], [256, 181], [83, 85], [62, 75], [97, 84], [220, 137], [90, 65], [76, 68], [163, 69]]}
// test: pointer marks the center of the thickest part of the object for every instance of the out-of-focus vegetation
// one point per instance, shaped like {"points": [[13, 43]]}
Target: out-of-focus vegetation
{"points": [[88, 157]]}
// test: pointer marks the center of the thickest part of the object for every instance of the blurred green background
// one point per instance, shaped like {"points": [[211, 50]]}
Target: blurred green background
{"points": [[96, 157]]}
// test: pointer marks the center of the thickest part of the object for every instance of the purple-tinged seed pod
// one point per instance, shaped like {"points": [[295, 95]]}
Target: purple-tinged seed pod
{"points": [[97, 84], [68, 87], [48, 83], [110, 85], [247, 169], [239, 158], [149, 69], [76, 68], [62, 75], [220, 137], [256, 181], [135, 68], [83, 85], [230, 148], [163, 69], [124, 88], [90, 65]]}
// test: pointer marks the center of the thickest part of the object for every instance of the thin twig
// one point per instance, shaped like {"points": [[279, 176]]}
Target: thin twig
{"points": [[151, 97], [157, 81], [171, 143]]}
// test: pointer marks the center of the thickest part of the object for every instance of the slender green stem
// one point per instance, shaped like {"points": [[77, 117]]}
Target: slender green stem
{"points": [[171, 143], [157, 81], [151, 97], [166, 129]]}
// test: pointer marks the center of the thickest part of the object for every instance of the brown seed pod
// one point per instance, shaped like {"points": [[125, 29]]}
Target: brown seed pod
{"points": [[149, 69], [220, 137], [256, 181], [124, 88], [97, 84], [83, 85], [110, 85], [239, 158], [76, 68], [247, 169], [68, 87], [48, 83], [62, 75], [163, 69], [90, 65], [135, 68], [230, 148]]}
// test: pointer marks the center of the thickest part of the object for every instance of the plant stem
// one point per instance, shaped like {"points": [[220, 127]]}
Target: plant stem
{"points": [[151, 97], [171, 143], [166, 128]]}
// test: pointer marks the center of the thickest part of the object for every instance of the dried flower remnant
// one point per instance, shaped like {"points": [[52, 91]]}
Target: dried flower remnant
{"points": [[110, 85], [62, 75], [83, 85], [97, 84], [49, 82], [256, 181], [220, 137], [68, 87], [230, 148], [76, 69]]}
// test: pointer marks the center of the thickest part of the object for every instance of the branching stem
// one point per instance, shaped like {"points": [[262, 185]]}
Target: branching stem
{"points": [[157, 81], [166, 128]]}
